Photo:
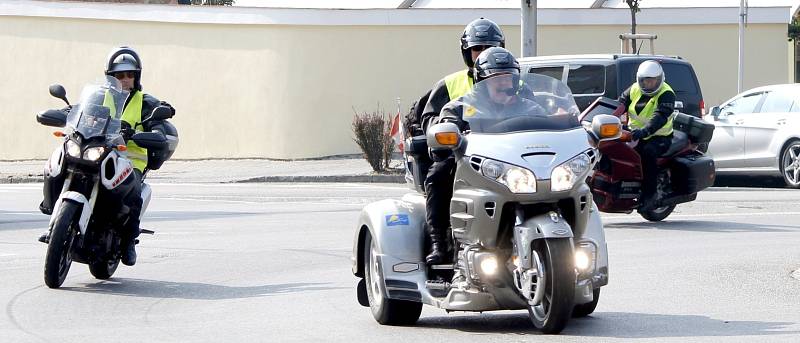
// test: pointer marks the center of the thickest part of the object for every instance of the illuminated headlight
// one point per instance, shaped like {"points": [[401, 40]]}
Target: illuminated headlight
{"points": [[568, 173], [585, 257], [73, 149], [489, 265], [93, 154], [517, 179]]}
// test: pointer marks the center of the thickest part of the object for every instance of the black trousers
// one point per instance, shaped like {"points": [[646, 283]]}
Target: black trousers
{"points": [[439, 190], [649, 151]]}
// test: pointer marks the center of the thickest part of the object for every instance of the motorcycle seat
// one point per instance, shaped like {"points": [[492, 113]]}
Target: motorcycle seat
{"points": [[679, 141]]}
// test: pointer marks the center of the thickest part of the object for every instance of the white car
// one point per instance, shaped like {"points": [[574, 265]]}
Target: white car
{"points": [[758, 133]]}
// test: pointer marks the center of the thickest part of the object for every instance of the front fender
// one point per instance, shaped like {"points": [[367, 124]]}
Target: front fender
{"points": [[540, 226], [396, 228], [86, 208]]}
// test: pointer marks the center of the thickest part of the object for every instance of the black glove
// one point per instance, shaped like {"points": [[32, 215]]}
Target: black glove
{"points": [[164, 103], [638, 134], [126, 131]]}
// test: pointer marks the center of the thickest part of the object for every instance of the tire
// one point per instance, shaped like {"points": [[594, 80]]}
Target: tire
{"points": [[586, 309], [790, 165], [58, 259], [658, 214], [555, 309], [386, 311], [103, 269]]}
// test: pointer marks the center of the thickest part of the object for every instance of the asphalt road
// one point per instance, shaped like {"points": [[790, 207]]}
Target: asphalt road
{"points": [[270, 263]]}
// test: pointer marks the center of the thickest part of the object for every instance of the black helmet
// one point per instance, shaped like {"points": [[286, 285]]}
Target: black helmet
{"points": [[480, 32], [495, 61], [125, 59]]}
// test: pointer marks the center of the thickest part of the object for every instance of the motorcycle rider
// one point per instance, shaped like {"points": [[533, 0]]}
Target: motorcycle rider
{"points": [[650, 103], [124, 64], [500, 70], [478, 35]]}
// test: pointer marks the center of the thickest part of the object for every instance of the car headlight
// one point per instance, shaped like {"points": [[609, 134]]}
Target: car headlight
{"points": [[568, 173], [93, 154], [73, 149], [517, 179]]}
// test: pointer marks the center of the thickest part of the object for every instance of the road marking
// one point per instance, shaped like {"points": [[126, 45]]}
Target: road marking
{"points": [[263, 202], [7, 255], [701, 215]]}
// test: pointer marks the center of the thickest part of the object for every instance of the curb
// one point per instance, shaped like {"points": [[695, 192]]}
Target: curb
{"points": [[328, 178], [21, 179]]}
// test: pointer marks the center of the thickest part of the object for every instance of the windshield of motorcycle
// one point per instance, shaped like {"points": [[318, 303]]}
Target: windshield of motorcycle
{"points": [[99, 109], [510, 103]]}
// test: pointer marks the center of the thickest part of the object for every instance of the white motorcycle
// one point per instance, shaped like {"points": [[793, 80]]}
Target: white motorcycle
{"points": [[96, 174], [527, 233]]}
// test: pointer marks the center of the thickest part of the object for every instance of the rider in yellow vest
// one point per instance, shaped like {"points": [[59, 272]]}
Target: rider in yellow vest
{"points": [[650, 103], [125, 65], [478, 35]]}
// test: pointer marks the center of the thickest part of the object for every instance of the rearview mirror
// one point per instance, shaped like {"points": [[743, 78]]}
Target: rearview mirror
{"points": [[58, 91], [52, 118], [443, 136], [606, 127], [715, 111]]}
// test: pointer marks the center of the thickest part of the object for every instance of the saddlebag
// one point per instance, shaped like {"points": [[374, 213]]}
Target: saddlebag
{"points": [[698, 130], [692, 173]]}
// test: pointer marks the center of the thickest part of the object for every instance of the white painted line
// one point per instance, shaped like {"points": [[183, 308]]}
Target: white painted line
{"points": [[712, 215], [7, 255]]}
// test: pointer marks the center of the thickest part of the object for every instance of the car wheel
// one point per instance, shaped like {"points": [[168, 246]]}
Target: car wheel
{"points": [[790, 164]]}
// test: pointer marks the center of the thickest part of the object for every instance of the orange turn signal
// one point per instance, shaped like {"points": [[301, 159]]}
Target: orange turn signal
{"points": [[59, 134], [447, 138], [609, 130], [122, 147]]}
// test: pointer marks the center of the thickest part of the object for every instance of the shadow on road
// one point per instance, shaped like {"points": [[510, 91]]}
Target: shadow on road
{"points": [[192, 290], [702, 226], [749, 181], [612, 325]]}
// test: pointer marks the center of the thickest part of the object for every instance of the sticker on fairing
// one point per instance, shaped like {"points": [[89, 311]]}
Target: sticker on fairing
{"points": [[396, 219]]}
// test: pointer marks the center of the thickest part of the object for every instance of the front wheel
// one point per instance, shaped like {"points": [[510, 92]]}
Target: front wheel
{"points": [[58, 260], [551, 314], [658, 214], [386, 311]]}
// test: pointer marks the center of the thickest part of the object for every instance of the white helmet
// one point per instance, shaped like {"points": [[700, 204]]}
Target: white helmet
{"points": [[650, 69]]}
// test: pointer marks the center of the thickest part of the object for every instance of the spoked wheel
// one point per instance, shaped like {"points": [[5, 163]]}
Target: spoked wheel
{"points": [[658, 214], [103, 269], [58, 260], [790, 164], [386, 311], [551, 313]]}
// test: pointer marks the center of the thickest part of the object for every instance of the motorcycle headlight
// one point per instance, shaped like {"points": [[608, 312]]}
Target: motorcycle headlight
{"points": [[73, 149], [517, 179], [568, 173], [93, 154]]}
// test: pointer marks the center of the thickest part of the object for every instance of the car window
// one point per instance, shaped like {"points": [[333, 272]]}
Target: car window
{"points": [[680, 77], [777, 101], [586, 79], [745, 104], [554, 72]]}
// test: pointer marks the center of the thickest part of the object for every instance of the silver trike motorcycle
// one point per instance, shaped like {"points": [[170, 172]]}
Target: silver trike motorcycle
{"points": [[526, 232]]}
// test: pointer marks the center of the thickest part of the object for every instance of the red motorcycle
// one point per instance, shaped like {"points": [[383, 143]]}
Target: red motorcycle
{"points": [[683, 170]]}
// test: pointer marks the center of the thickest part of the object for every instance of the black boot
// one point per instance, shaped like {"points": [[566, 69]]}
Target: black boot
{"points": [[439, 250], [45, 237], [129, 252]]}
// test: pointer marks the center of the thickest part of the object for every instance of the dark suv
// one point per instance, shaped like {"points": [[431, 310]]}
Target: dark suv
{"points": [[592, 76]]}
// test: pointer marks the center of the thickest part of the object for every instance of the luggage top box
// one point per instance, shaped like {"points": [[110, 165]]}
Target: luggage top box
{"points": [[698, 130]]}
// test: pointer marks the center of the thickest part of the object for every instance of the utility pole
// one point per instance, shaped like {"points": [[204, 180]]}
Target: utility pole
{"points": [[528, 27], [742, 21]]}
